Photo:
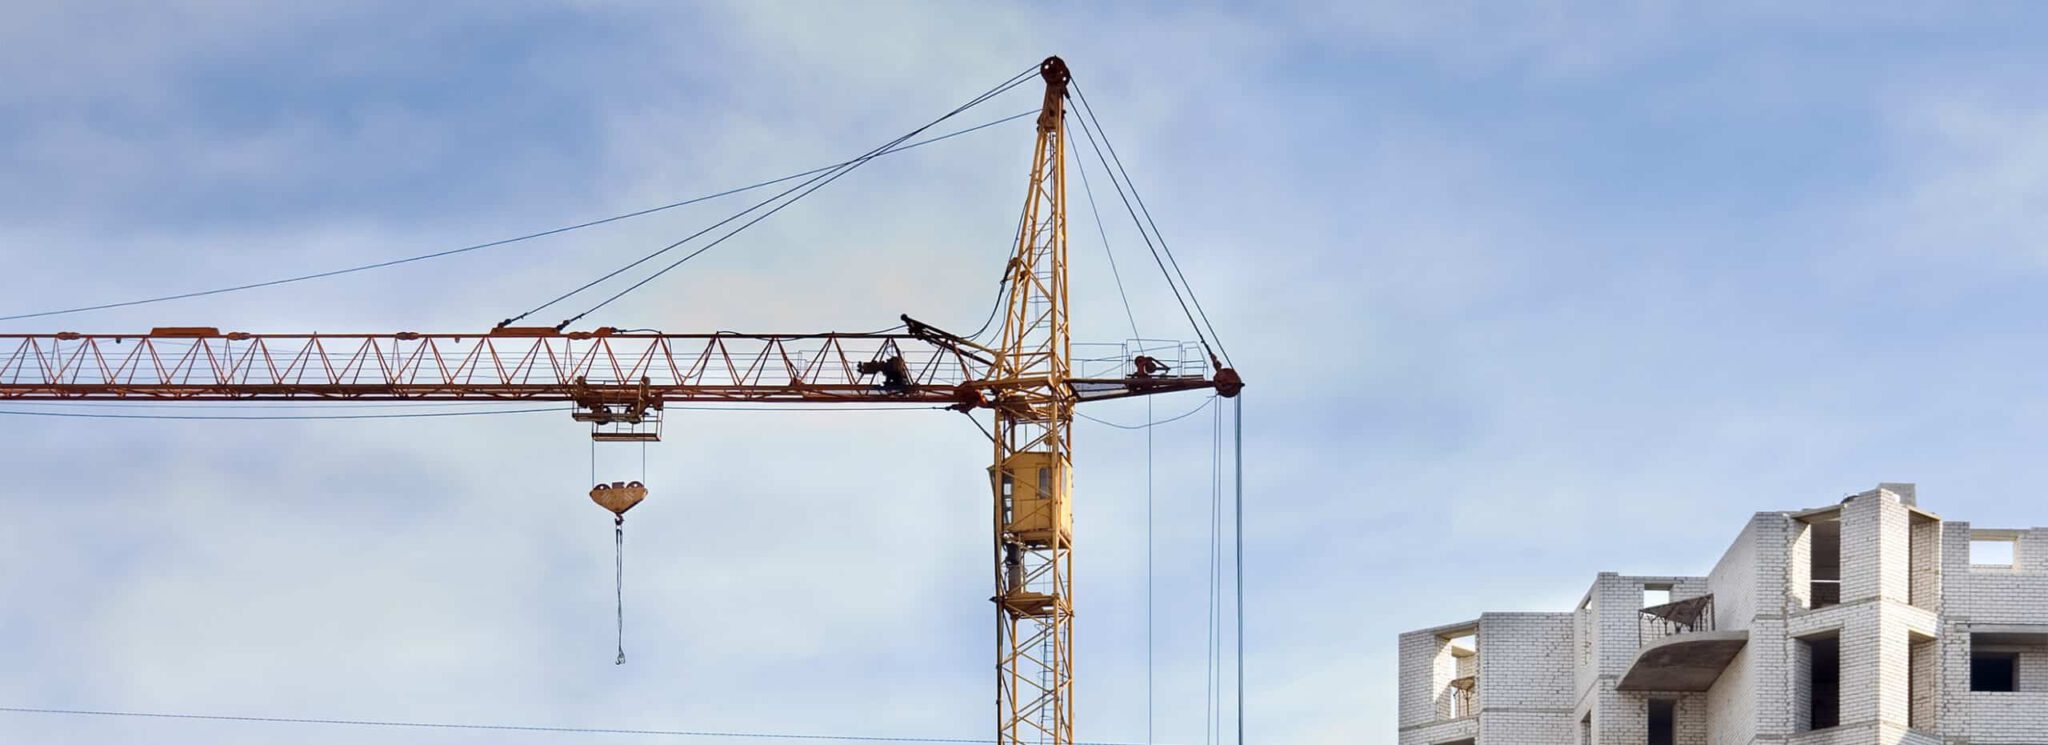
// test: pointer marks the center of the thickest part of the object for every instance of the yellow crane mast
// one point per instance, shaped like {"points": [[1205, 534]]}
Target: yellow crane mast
{"points": [[620, 381], [1034, 454]]}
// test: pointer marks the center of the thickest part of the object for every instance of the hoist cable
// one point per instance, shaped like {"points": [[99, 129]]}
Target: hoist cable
{"points": [[1237, 419], [619, 580], [816, 181], [1081, 164], [1213, 672], [1150, 549], [508, 241], [1089, 112], [512, 727], [619, 561]]}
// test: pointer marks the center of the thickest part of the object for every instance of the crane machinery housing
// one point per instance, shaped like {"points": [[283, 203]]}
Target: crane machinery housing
{"points": [[619, 382]]}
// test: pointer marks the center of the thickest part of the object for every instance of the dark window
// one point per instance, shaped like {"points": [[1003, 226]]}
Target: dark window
{"points": [[1827, 564], [1994, 671], [1824, 671], [1663, 722]]}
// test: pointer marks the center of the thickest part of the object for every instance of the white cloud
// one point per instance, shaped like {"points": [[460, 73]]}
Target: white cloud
{"points": [[1448, 341]]}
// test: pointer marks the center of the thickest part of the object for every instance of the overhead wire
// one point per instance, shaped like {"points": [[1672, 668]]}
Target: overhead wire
{"points": [[514, 239], [1089, 112], [819, 178], [1142, 233], [801, 190], [742, 735], [1169, 420], [1081, 164]]}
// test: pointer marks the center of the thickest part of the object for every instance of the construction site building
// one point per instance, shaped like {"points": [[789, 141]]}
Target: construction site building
{"points": [[1868, 621]]}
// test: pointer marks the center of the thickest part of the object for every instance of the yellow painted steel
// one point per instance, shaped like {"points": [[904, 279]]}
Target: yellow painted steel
{"points": [[1034, 456], [1033, 488]]}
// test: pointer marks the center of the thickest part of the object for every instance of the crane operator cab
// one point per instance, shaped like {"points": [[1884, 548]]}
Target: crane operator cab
{"points": [[1031, 489]]}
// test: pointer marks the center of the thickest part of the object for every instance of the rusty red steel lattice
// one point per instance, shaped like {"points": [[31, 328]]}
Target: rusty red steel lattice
{"points": [[453, 367]]}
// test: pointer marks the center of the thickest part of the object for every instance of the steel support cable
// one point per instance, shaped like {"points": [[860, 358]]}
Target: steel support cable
{"points": [[815, 181], [1082, 166], [1089, 112], [510, 727], [808, 187], [1149, 245], [512, 240]]}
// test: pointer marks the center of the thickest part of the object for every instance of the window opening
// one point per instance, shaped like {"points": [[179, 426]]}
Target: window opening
{"points": [[1823, 681], [1827, 564], [1997, 672], [1993, 551], [1663, 722], [1655, 595]]}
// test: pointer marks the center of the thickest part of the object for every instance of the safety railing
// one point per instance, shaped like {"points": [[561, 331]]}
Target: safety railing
{"points": [[1687, 616]]}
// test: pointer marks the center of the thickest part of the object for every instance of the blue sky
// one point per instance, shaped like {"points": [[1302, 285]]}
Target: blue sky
{"points": [[1523, 294]]}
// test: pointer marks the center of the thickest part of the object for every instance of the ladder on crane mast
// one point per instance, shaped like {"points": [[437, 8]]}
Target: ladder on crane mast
{"points": [[619, 381]]}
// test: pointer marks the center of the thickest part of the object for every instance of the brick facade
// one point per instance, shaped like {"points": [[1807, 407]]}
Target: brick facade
{"points": [[1898, 633]]}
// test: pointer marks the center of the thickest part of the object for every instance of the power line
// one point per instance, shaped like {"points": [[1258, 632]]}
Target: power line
{"points": [[510, 727], [515, 239], [807, 187]]}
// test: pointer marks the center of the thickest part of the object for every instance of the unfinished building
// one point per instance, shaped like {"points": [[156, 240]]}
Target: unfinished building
{"points": [[1868, 621]]}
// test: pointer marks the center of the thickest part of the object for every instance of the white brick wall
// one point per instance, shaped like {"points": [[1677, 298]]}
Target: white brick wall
{"points": [[1926, 564], [1907, 586]]}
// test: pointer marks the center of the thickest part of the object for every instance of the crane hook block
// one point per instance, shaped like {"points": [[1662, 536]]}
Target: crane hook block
{"points": [[618, 496]]}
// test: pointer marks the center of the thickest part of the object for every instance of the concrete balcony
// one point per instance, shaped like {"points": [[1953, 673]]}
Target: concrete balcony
{"points": [[1678, 649]]}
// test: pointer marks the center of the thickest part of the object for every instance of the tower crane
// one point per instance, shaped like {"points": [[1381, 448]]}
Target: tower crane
{"points": [[619, 382]]}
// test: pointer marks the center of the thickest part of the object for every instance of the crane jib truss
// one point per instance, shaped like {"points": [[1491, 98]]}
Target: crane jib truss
{"points": [[620, 380]]}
